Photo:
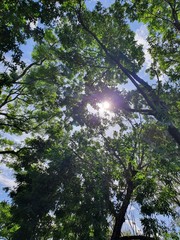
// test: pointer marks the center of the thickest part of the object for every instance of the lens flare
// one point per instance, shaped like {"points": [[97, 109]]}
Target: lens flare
{"points": [[105, 105]]}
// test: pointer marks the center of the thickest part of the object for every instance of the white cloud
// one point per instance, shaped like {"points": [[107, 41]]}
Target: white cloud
{"points": [[140, 36], [7, 182], [132, 223], [6, 177], [132, 226], [32, 25]]}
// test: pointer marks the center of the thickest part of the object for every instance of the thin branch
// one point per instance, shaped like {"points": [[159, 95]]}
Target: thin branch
{"points": [[21, 118], [112, 150], [8, 152], [6, 99], [28, 67], [14, 152], [13, 126], [78, 155], [143, 111], [10, 94], [159, 17]]}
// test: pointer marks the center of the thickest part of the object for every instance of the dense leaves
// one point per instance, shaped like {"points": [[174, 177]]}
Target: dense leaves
{"points": [[19, 22], [81, 167], [163, 22]]}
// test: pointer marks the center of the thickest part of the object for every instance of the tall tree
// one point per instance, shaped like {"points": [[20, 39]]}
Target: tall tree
{"points": [[108, 50], [82, 61], [77, 186]]}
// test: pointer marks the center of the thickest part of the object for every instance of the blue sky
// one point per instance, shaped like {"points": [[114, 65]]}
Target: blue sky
{"points": [[91, 3]]}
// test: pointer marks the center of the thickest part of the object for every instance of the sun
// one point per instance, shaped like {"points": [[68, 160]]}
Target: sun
{"points": [[104, 106]]}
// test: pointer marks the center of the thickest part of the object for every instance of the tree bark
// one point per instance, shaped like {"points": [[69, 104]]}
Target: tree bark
{"points": [[120, 218], [174, 133]]}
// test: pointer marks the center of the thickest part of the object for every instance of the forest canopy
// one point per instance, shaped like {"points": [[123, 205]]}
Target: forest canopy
{"points": [[88, 128]]}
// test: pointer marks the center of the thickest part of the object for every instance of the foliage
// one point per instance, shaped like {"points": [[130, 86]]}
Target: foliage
{"points": [[18, 23], [75, 180], [163, 21], [7, 227]]}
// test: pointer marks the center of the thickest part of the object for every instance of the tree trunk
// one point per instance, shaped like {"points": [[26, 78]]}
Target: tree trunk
{"points": [[174, 133], [120, 218]]}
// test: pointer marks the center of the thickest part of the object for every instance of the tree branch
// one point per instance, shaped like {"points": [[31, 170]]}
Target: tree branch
{"points": [[17, 92], [131, 75], [143, 111], [144, 88], [13, 126], [28, 67], [176, 22], [14, 152], [112, 151], [138, 237]]}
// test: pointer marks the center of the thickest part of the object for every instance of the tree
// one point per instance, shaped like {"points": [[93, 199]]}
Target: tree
{"points": [[19, 22], [68, 187], [50, 192], [7, 227], [162, 109], [152, 99], [92, 26], [162, 19], [84, 60]]}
